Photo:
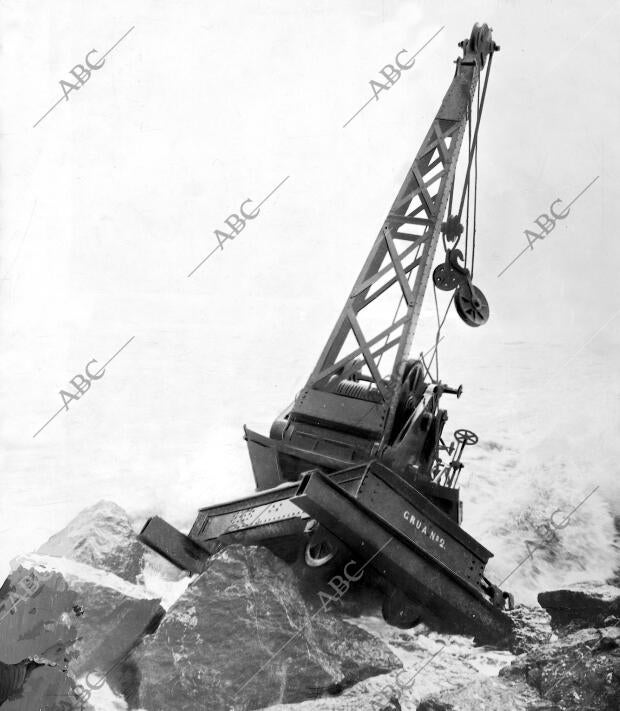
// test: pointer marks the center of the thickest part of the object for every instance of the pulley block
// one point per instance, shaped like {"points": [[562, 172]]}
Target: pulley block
{"points": [[450, 274], [471, 305]]}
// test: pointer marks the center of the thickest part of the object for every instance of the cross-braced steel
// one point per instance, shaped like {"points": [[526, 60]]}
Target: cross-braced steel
{"points": [[398, 267]]}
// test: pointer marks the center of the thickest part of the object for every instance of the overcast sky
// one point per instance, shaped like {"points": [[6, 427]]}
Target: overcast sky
{"points": [[113, 198]]}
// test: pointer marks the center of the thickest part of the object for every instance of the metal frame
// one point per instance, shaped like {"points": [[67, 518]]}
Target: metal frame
{"points": [[401, 256]]}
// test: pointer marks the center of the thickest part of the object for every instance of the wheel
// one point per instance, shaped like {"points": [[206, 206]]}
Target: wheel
{"points": [[319, 552], [399, 611], [471, 305], [480, 39], [476, 38], [414, 385], [465, 437]]}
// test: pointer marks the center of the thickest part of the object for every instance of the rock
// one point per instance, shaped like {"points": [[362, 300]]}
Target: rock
{"points": [[102, 537], [242, 635], [531, 628], [581, 605], [36, 616], [432, 662], [14, 676], [578, 671], [47, 689], [434, 704], [69, 614], [489, 694], [35, 621], [615, 578], [610, 638]]}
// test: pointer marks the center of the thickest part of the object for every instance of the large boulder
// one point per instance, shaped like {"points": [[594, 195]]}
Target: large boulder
{"points": [[578, 671], [531, 628], [581, 605], [432, 662], [243, 636], [74, 618], [489, 694], [29, 685], [102, 537], [36, 622]]}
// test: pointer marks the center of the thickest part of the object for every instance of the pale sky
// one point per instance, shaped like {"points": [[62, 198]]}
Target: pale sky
{"points": [[113, 198]]}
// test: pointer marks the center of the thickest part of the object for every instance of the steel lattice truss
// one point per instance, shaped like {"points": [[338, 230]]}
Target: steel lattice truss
{"points": [[400, 260]]}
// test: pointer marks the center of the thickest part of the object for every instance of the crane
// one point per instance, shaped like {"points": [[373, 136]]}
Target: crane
{"points": [[353, 464]]}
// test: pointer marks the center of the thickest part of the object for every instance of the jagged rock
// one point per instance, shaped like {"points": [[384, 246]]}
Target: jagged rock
{"points": [[48, 689], [70, 614], [531, 628], [14, 676], [101, 536], [581, 605], [242, 635], [578, 671], [610, 637], [36, 615], [35, 621], [431, 662], [434, 705], [489, 694]]}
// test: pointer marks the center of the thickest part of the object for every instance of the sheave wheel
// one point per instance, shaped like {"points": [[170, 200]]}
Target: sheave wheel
{"points": [[471, 305]]}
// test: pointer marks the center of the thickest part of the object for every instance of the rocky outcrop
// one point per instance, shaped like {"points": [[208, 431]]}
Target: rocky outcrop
{"points": [[100, 536], [488, 694], [247, 635], [242, 635], [531, 628], [74, 618], [581, 605], [576, 672], [36, 620], [43, 687]]}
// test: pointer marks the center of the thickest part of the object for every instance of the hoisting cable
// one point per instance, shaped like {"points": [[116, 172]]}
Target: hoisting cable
{"points": [[438, 334], [475, 141], [473, 237], [466, 184]]}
